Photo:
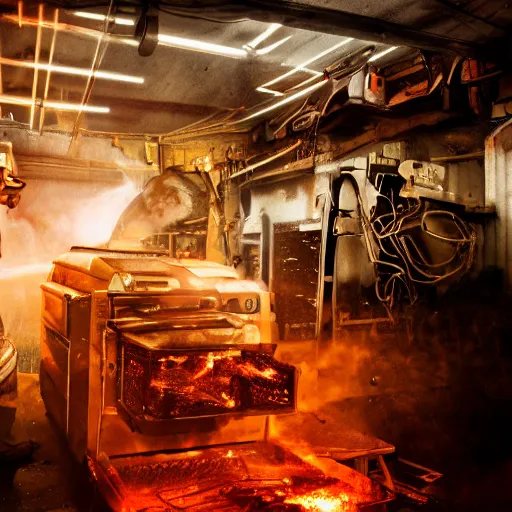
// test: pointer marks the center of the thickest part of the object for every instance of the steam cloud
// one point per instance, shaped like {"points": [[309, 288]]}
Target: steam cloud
{"points": [[51, 217]]}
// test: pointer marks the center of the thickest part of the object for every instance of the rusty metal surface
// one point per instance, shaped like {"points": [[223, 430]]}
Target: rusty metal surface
{"points": [[384, 130], [452, 182], [498, 234]]}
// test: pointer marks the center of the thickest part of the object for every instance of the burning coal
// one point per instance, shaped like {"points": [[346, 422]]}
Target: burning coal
{"points": [[206, 383]]}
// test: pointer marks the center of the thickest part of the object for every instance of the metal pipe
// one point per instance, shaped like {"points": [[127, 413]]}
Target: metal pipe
{"points": [[48, 24], [457, 158], [331, 21], [40, 13], [337, 22], [267, 160], [56, 105], [69, 70], [326, 207], [48, 73], [20, 14], [16, 100]]}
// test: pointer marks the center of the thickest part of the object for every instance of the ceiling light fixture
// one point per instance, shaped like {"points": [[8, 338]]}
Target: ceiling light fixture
{"points": [[307, 81], [269, 91], [15, 100], [315, 74], [200, 46], [265, 35], [164, 39], [284, 101], [56, 68], [373, 58], [75, 107], [302, 66], [101, 17], [268, 49], [55, 105]]}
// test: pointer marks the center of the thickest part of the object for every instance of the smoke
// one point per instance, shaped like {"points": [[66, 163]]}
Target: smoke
{"points": [[437, 387], [52, 216], [166, 200]]}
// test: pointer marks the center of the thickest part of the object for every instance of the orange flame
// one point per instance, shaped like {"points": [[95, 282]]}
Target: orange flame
{"points": [[229, 401], [321, 501], [269, 373], [210, 361]]}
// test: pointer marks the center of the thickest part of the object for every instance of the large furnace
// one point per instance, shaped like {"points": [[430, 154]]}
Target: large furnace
{"points": [[161, 374]]}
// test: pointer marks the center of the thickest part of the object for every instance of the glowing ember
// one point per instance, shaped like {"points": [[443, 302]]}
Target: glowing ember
{"points": [[205, 383], [229, 401], [210, 361], [268, 373], [321, 501], [175, 359]]}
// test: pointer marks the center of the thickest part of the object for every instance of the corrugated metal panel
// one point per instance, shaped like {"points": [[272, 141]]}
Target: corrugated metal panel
{"points": [[498, 195]]}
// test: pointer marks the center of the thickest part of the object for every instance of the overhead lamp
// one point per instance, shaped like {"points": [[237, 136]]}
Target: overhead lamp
{"points": [[164, 39], [284, 101], [75, 107], [302, 66], [55, 105], [101, 17], [265, 35], [269, 91], [57, 68], [316, 74], [373, 58], [268, 49], [200, 46], [16, 100]]}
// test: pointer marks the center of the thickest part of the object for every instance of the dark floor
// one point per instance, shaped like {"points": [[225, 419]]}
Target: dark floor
{"points": [[42, 485], [460, 433]]}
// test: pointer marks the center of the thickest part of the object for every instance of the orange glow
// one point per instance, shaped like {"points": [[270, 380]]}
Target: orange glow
{"points": [[210, 361], [229, 401], [268, 373], [176, 359], [321, 501]]}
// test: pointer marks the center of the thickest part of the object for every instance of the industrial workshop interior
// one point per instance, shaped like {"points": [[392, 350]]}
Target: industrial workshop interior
{"points": [[256, 255]]}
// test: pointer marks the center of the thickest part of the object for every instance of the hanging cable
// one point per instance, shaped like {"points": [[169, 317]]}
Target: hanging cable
{"points": [[96, 63]]}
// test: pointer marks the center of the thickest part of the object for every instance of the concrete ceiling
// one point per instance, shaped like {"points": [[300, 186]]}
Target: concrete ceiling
{"points": [[182, 86]]}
